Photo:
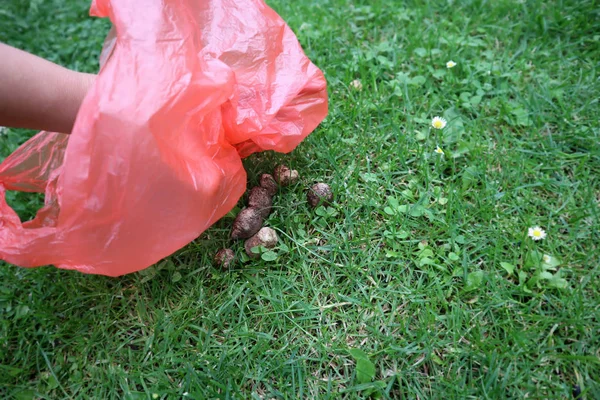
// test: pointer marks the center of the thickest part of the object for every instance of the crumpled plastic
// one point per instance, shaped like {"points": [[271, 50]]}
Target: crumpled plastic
{"points": [[186, 89]]}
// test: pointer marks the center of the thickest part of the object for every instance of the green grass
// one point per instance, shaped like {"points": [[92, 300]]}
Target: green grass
{"points": [[405, 266]]}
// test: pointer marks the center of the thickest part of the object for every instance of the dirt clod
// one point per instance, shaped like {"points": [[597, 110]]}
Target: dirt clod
{"points": [[285, 176], [259, 198], [224, 258], [268, 182], [247, 223], [319, 193], [265, 237]]}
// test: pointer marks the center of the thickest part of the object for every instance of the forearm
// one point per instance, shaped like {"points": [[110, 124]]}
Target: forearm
{"points": [[37, 94]]}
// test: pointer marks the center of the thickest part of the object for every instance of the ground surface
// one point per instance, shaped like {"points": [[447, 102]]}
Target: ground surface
{"points": [[423, 262]]}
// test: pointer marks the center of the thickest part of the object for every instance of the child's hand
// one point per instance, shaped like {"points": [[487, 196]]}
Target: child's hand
{"points": [[37, 94]]}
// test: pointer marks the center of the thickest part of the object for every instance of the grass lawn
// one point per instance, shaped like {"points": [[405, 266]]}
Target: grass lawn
{"points": [[419, 282]]}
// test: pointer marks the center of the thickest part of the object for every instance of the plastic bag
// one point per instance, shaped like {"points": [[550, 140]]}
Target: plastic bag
{"points": [[187, 89]]}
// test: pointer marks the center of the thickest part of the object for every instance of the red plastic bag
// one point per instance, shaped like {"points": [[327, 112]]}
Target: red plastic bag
{"points": [[187, 89]]}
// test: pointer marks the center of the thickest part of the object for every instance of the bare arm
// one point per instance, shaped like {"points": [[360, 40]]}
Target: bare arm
{"points": [[37, 94]]}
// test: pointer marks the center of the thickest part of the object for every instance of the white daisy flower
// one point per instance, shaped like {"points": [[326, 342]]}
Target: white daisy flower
{"points": [[438, 122], [450, 64], [536, 233], [546, 258], [439, 150]]}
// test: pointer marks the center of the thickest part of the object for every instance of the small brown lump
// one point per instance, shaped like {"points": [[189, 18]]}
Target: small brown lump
{"points": [[247, 223], [259, 198], [268, 182], [285, 176], [265, 237], [224, 258], [319, 193]]}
